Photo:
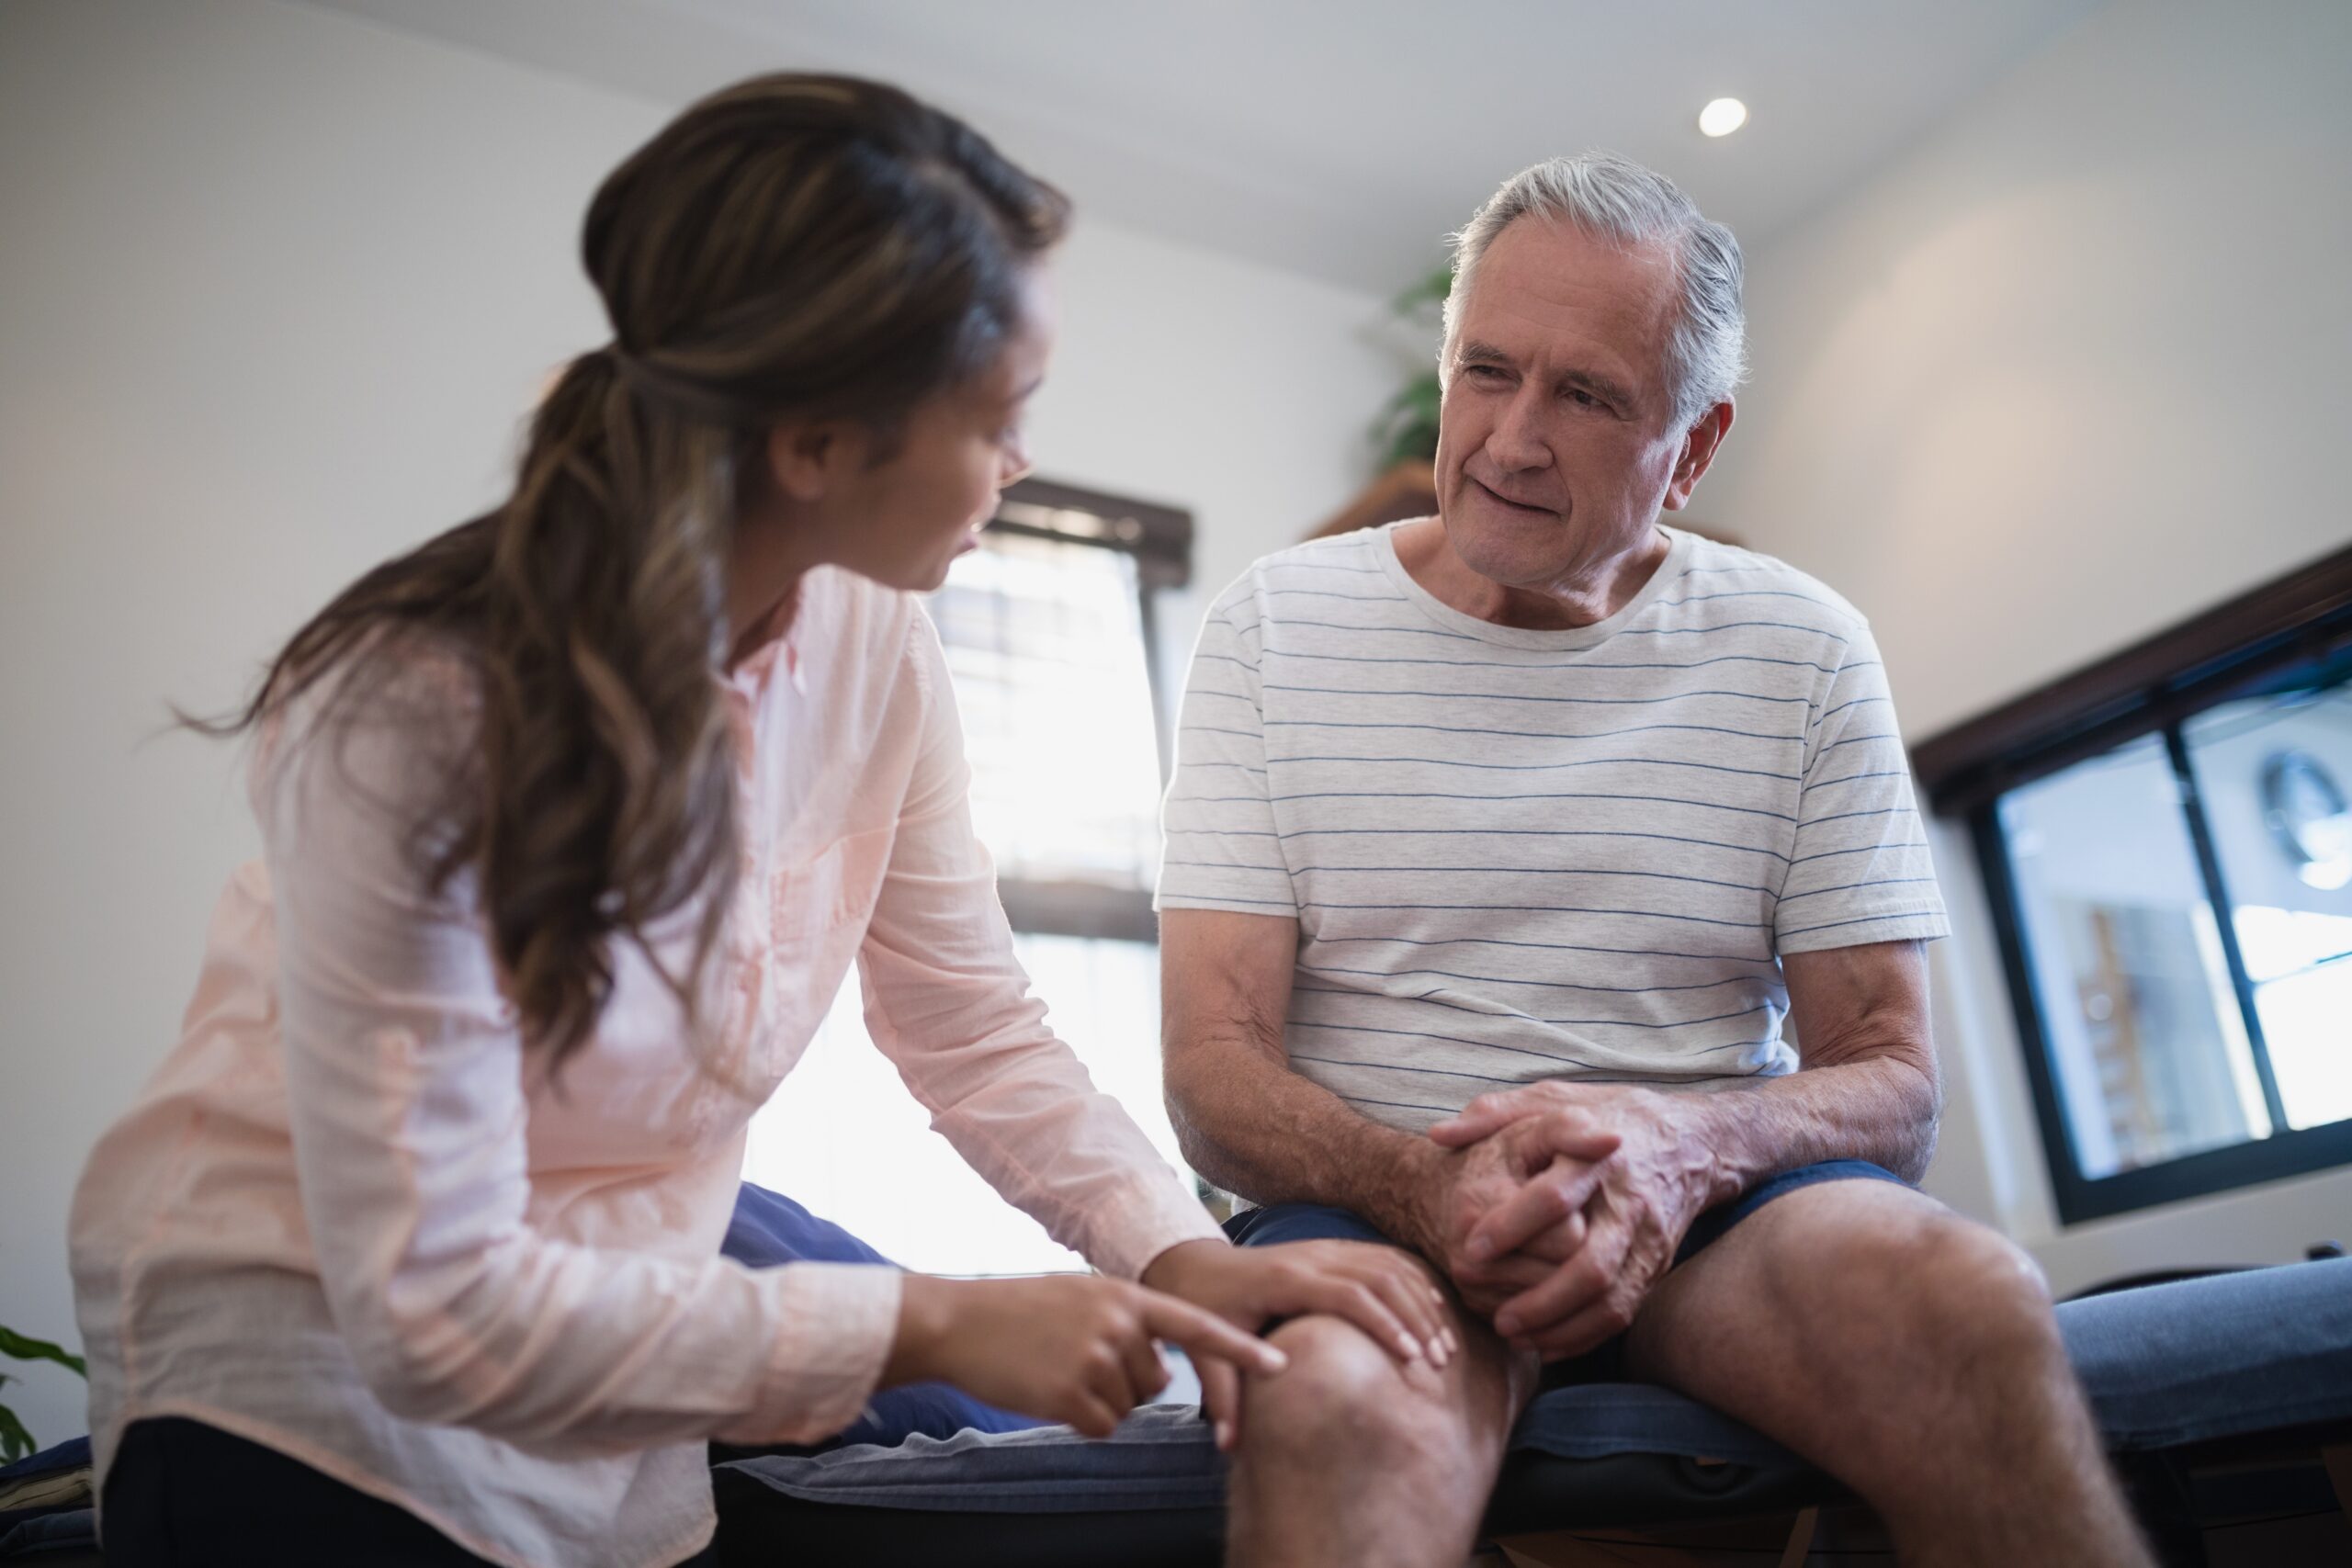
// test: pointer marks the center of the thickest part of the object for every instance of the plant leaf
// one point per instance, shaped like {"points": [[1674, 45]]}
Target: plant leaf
{"points": [[1429, 291], [1408, 426], [14, 1441], [29, 1350]]}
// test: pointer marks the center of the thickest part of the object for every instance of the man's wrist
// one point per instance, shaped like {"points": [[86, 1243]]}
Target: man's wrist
{"points": [[1409, 1199], [1715, 1143]]}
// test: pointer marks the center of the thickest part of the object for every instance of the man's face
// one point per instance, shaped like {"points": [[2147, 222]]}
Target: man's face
{"points": [[1558, 441]]}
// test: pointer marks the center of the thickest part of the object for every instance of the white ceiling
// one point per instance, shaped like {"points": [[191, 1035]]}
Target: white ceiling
{"points": [[1336, 138]]}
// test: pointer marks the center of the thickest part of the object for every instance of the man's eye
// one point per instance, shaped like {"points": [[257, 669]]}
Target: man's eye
{"points": [[1483, 372]]}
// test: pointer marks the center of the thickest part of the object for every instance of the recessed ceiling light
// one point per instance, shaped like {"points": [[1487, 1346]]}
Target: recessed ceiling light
{"points": [[1723, 117]]}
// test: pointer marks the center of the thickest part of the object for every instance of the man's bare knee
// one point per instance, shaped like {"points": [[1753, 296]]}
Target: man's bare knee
{"points": [[1398, 1458], [1342, 1395], [1928, 1321], [1944, 1289]]}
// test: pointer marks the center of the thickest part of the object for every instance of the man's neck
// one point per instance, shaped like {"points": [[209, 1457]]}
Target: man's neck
{"points": [[1583, 595]]}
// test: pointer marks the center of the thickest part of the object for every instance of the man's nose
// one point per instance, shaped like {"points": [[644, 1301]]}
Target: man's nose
{"points": [[1517, 440]]}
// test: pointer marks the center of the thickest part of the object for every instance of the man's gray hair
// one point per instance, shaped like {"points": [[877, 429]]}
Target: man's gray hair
{"points": [[1612, 197]]}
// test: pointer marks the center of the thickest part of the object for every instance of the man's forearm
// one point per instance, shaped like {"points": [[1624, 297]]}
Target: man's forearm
{"points": [[1262, 1132], [1881, 1109], [1869, 1087]]}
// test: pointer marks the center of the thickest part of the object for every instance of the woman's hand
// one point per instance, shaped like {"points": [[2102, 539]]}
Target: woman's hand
{"points": [[1070, 1347], [1384, 1291]]}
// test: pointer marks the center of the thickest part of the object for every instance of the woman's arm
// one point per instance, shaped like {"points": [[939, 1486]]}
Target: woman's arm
{"points": [[946, 1000]]}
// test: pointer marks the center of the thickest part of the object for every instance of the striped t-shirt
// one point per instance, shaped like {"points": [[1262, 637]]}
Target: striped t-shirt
{"points": [[1517, 855]]}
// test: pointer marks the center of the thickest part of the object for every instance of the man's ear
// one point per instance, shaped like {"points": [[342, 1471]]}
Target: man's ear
{"points": [[807, 459], [1700, 445]]}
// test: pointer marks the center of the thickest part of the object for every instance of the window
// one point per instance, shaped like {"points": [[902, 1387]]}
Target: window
{"points": [[1049, 636], [2168, 845]]}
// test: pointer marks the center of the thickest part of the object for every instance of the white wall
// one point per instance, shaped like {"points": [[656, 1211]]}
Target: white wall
{"points": [[276, 286], [2072, 369]]}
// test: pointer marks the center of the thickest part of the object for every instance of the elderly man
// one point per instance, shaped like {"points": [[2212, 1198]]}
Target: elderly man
{"points": [[1502, 844]]}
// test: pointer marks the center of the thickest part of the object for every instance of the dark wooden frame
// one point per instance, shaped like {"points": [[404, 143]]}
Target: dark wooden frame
{"points": [[2240, 648], [1161, 539]]}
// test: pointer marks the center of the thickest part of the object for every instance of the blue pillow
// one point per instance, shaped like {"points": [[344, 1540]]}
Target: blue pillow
{"points": [[769, 1229]]}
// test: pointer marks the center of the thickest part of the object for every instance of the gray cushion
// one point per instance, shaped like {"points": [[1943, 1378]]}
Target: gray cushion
{"points": [[2257, 1352]]}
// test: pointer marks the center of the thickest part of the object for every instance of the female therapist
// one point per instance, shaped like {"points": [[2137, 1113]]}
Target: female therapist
{"points": [[574, 818]]}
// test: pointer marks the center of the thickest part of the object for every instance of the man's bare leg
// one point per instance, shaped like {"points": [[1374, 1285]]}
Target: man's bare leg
{"points": [[1911, 1354], [1349, 1459]]}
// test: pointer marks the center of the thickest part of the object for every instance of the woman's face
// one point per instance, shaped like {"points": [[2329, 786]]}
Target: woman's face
{"points": [[904, 520]]}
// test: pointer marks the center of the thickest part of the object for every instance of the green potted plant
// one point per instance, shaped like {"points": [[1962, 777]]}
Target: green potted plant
{"points": [[1403, 436], [1406, 429], [14, 1441]]}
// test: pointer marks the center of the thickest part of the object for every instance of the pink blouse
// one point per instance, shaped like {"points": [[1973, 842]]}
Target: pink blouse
{"points": [[350, 1220]]}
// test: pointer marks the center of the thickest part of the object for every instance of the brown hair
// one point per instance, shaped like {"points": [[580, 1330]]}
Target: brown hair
{"points": [[793, 245]]}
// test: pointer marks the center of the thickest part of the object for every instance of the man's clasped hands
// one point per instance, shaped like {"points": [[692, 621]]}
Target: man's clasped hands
{"points": [[1556, 1208]]}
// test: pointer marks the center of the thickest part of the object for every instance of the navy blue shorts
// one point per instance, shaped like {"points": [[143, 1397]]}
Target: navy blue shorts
{"points": [[1317, 1222]]}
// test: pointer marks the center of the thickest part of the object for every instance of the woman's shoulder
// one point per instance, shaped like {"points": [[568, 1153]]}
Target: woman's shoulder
{"points": [[408, 699], [418, 679]]}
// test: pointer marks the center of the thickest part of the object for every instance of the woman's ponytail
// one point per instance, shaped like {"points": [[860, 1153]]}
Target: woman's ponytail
{"points": [[808, 246]]}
